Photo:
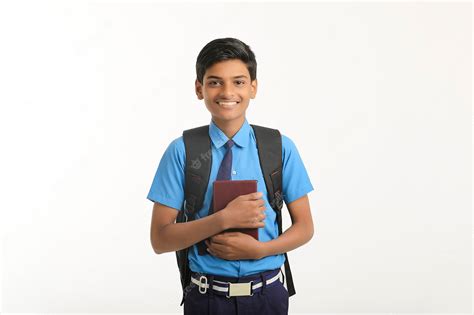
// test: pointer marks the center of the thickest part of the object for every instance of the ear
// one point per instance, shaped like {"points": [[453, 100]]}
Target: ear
{"points": [[198, 89], [253, 87]]}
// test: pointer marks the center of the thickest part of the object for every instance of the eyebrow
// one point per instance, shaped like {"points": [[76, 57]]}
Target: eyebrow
{"points": [[219, 78]]}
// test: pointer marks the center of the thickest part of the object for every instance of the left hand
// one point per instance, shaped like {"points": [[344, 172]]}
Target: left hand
{"points": [[234, 246]]}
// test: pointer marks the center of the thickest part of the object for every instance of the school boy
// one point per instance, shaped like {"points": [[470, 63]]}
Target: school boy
{"points": [[232, 261]]}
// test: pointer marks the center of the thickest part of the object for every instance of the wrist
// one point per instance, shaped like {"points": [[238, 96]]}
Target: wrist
{"points": [[221, 220], [261, 250]]}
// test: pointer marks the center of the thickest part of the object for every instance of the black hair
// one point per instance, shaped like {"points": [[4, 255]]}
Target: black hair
{"points": [[225, 49]]}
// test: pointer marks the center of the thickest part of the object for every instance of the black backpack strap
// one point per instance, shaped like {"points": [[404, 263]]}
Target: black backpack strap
{"points": [[197, 172], [269, 145], [198, 166]]}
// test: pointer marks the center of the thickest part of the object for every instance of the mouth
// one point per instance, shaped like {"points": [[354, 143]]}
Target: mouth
{"points": [[227, 104]]}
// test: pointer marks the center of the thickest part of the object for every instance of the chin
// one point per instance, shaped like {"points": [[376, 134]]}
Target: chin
{"points": [[228, 117]]}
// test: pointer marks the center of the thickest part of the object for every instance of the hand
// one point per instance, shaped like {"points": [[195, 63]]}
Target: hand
{"points": [[234, 246], [245, 211]]}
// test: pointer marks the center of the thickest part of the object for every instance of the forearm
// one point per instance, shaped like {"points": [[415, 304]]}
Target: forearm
{"points": [[295, 236], [176, 236]]}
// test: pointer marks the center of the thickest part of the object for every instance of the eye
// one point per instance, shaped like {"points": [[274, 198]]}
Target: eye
{"points": [[241, 82]]}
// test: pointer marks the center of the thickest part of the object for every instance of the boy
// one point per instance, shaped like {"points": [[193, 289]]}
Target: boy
{"points": [[226, 80]]}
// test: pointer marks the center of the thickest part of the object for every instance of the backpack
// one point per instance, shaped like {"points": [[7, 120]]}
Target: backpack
{"points": [[197, 172]]}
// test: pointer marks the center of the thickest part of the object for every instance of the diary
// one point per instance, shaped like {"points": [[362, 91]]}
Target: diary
{"points": [[224, 191]]}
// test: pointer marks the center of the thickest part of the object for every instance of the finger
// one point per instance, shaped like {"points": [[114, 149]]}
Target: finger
{"points": [[256, 223], [215, 252], [218, 248], [224, 234], [233, 234], [209, 247], [219, 240], [219, 236], [212, 252], [253, 196], [259, 203]]}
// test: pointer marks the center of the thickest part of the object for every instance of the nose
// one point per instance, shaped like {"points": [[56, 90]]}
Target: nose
{"points": [[227, 91]]}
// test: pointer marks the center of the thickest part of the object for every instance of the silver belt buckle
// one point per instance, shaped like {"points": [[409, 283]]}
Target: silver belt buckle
{"points": [[240, 289], [202, 289]]}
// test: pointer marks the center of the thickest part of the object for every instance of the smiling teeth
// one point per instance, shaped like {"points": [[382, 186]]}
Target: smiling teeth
{"points": [[227, 103]]}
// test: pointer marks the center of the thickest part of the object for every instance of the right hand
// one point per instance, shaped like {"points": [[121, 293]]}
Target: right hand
{"points": [[245, 211]]}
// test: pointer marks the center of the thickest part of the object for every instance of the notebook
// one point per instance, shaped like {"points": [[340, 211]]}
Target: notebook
{"points": [[227, 190]]}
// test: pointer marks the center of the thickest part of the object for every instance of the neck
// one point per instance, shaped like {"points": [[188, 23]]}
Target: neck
{"points": [[230, 128]]}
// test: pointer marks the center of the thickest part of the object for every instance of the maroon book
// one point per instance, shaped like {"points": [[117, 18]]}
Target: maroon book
{"points": [[227, 190]]}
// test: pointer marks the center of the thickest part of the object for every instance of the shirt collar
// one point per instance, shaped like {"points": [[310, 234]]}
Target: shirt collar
{"points": [[219, 138]]}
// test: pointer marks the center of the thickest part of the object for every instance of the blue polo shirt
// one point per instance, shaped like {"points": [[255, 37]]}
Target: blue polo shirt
{"points": [[168, 189]]}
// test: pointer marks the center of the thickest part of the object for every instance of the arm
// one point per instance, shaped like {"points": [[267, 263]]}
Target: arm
{"points": [[236, 245], [167, 236], [299, 233]]}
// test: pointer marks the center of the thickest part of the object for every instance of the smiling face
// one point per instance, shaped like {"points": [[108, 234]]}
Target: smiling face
{"points": [[227, 90]]}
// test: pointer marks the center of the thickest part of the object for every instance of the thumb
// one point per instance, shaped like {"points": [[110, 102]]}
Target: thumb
{"points": [[255, 195]]}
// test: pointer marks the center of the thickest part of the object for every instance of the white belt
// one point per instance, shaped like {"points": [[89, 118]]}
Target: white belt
{"points": [[233, 289]]}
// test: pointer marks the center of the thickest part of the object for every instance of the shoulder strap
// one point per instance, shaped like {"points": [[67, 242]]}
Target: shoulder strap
{"points": [[270, 155], [197, 172], [198, 167], [269, 146]]}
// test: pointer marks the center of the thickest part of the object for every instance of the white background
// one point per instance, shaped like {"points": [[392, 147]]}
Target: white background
{"points": [[377, 98]]}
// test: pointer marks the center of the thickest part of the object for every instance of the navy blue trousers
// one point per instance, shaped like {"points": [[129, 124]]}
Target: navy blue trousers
{"points": [[271, 299]]}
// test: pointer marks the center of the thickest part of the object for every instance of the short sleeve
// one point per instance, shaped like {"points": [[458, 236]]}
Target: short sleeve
{"points": [[296, 182], [167, 187]]}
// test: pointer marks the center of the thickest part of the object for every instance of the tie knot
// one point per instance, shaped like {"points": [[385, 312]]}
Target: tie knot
{"points": [[229, 144]]}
